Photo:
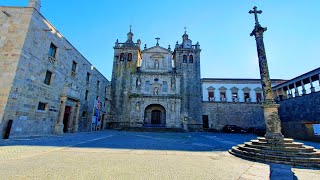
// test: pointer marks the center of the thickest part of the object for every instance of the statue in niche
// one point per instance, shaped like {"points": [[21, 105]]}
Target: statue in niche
{"points": [[155, 91], [138, 106], [173, 106], [138, 82], [173, 82], [156, 64]]}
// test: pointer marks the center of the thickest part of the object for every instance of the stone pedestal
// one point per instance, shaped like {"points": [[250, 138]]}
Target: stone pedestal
{"points": [[272, 120]]}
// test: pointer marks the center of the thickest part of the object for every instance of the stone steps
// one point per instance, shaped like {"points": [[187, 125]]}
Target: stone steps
{"points": [[284, 151], [280, 153], [293, 162]]}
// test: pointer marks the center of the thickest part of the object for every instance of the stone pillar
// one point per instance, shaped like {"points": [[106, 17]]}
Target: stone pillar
{"points": [[58, 129], [312, 88], [277, 93], [319, 79], [303, 88], [283, 94], [76, 117], [289, 92], [270, 108], [296, 92]]}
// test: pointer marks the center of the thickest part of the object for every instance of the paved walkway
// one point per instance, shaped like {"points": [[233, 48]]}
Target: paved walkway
{"points": [[137, 155]]}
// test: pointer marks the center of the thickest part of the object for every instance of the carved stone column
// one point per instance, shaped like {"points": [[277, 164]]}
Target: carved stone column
{"points": [[296, 91], [58, 129], [76, 117], [270, 108]]}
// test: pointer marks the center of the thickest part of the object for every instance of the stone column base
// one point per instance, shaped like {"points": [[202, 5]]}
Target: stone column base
{"points": [[58, 129]]}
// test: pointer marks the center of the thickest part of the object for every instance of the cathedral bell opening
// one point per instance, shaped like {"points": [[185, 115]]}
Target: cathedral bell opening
{"points": [[155, 116]]}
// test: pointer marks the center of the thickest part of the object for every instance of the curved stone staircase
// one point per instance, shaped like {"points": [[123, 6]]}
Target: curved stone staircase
{"points": [[284, 151]]}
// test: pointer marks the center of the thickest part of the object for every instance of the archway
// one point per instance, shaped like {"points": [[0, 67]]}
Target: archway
{"points": [[155, 115]]}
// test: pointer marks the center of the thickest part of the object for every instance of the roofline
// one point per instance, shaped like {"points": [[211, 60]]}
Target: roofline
{"points": [[157, 46], [237, 79], [59, 34]]}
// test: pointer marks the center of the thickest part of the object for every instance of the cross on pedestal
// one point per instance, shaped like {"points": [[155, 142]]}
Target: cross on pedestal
{"points": [[157, 41], [255, 12]]}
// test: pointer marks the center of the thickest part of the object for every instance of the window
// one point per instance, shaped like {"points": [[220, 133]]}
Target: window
{"points": [[86, 95], [84, 114], [88, 77], [73, 68], [122, 57], [210, 96], [234, 97], [105, 91], [52, 51], [258, 97], [165, 86], [98, 84], [190, 59], [42, 106], [223, 96], [129, 56], [185, 58], [247, 97], [147, 86], [47, 79]]}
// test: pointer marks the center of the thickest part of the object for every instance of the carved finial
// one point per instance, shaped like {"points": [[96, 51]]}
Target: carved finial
{"points": [[169, 47], [185, 30], [145, 46], [130, 27], [157, 41]]}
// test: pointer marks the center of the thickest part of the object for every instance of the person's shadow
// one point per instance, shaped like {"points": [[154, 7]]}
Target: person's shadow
{"points": [[281, 172]]}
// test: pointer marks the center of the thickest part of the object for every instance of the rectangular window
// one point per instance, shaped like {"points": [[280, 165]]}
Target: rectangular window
{"points": [[235, 97], [47, 79], [88, 77], [52, 51], [210, 96], [247, 97], [73, 69], [86, 95], [165, 86], [84, 114], [258, 97], [42, 106], [223, 96], [98, 84], [147, 85]]}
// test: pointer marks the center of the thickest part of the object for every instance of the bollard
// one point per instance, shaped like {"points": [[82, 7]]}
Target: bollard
{"points": [[8, 129]]}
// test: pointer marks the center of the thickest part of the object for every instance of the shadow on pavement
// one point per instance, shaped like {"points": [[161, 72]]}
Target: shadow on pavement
{"points": [[197, 141]]}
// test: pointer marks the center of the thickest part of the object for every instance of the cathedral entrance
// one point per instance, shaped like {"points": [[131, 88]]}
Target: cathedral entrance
{"points": [[155, 116]]}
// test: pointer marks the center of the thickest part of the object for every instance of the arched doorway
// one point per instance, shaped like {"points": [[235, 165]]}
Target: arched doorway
{"points": [[155, 115]]}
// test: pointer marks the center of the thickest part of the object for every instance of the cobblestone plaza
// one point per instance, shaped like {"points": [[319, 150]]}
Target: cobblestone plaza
{"points": [[137, 155]]}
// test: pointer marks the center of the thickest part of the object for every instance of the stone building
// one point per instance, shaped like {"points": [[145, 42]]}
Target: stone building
{"points": [[46, 85], [156, 87], [232, 102]]}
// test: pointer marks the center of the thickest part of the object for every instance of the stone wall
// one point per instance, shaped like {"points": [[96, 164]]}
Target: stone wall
{"points": [[298, 114], [244, 115], [30, 46]]}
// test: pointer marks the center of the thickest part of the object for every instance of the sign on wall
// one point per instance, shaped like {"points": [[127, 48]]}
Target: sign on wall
{"points": [[316, 129]]}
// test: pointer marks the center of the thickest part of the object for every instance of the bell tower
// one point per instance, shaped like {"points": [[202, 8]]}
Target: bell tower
{"points": [[127, 57], [187, 63]]}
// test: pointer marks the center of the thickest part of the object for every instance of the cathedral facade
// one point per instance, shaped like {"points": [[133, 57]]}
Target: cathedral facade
{"points": [[156, 87]]}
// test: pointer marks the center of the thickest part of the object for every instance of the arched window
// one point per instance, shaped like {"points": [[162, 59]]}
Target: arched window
{"points": [[129, 56], [122, 57], [190, 59], [185, 58]]}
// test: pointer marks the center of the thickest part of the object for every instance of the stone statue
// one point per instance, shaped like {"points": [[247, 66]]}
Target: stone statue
{"points": [[156, 64], [138, 82], [155, 91], [173, 106], [138, 106]]}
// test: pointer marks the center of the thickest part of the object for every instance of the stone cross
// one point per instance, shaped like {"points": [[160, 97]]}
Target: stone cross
{"points": [[157, 41], [255, 12]]}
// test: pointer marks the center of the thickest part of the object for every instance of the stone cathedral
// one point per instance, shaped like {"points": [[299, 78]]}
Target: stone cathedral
{"points": [[156, 87]]}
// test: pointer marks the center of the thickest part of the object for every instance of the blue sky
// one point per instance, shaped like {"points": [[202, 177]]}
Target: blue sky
{"points": [[222, 28]]}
